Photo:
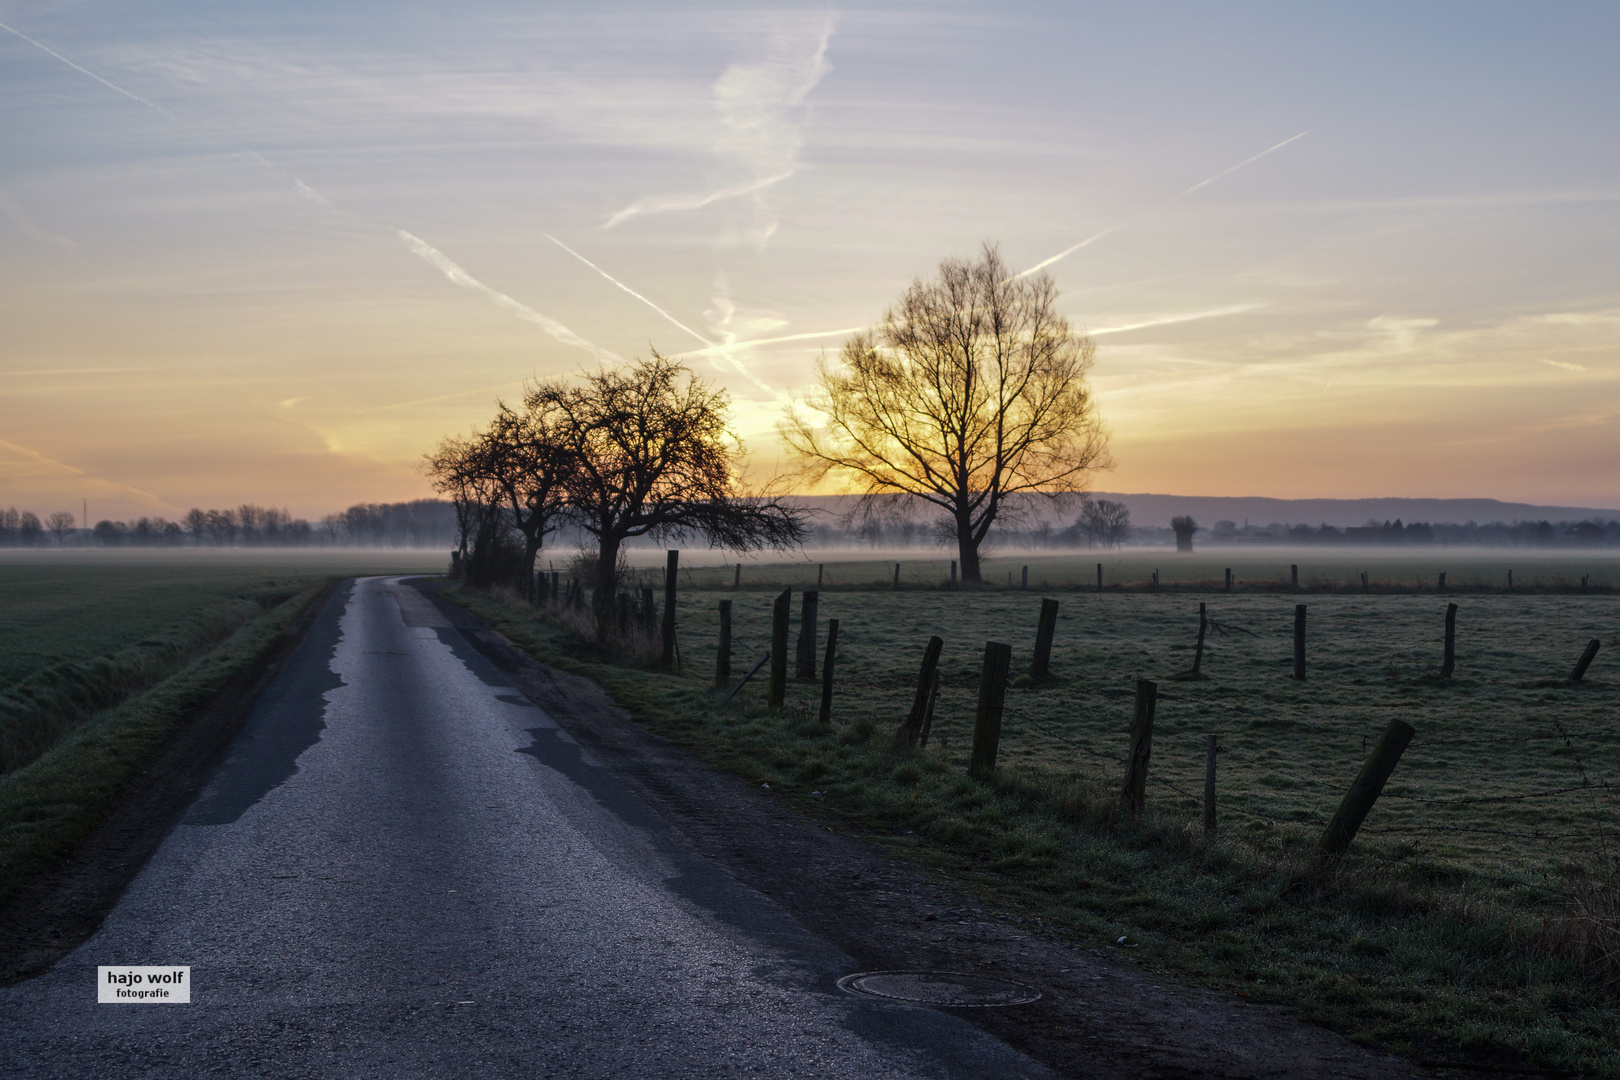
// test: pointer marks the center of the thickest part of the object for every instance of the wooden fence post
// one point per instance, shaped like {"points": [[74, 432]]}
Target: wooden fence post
{"points": [[780, 612], [1228, 579], [827, 671], [953, 573], [736, 578], [897, 576], [1365, 585], [649, 609], [1369, 784], [820, 567], [556, 586], [1045, 631], [1026, 577], [1211, 749], [1585, 661], [623, 613], [992, 697], [1293, 574], [1099, 577], [806, 648], [670, 564], [1198, 650], [1155, 581], [925, 682], [928, 717], [722, 661], [1299, 642], [1449, 664], [1442, 587], [1133, 796], [1510, 581]]}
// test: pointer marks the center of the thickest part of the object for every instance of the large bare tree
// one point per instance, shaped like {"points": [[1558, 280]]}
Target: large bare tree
{"points": [[652, 455], [969, 394]]}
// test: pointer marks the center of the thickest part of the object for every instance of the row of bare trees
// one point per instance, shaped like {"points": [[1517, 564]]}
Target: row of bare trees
{"points": [[969, 396], [644, 450]]}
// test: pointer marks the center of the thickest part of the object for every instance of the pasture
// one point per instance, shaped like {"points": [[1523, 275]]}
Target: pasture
{"points": [[1476, 910]]}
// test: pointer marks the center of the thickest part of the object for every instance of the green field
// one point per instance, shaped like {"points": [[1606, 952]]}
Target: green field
{"points": [[104, 654], [1474, 909]]}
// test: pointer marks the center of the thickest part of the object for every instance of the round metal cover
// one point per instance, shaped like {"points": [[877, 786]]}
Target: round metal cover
{"points": [[954, 988]]}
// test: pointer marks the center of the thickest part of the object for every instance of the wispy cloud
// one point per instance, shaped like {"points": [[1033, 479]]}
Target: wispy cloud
{"points": [[10, 207], [1562, 364], [458, 276], [21, 463], [760, 106]]}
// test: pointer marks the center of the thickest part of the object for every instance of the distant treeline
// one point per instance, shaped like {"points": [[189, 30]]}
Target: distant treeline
{"points": [[429, 523]]}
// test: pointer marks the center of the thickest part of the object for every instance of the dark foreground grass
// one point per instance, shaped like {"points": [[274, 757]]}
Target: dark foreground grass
{"points": [[1428, 963], [49, 806]]}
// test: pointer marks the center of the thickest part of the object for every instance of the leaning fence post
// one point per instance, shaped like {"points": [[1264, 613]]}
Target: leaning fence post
{"points": [[1211, 749], [670, 565], [1133, 795], [1045, 630], [1585, 661], [928, 717], [722, 661], [1299, 642], [925, 678], [1198, 650], [992, 697], [1369, 784], [806, 648], [827, 671], [779, 637], [1449, 664]]}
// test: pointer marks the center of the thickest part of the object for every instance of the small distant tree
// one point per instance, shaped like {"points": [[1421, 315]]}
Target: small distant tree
{"points": [[60, 524], [456, 468], [652, 455], [28, 528], [969, 394], [1104, 523], [1184, 528], [196, 522]]}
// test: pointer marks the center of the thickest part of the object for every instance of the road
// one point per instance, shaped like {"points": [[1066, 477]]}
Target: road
{"points": [[404, 868]]}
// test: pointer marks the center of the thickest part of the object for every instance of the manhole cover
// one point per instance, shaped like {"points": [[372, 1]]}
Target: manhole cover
{"points": [[939, 988]]}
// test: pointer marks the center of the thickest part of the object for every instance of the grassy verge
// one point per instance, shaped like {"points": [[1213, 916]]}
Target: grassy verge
{"points": [[1406, 953], [49, 807]]}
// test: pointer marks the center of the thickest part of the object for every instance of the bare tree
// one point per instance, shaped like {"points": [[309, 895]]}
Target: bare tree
{"points": [[525, 458], [969, 394], [1104, 523], [196, 522], [456, 467], [61, 523], [652, 455], [1184, 527]]}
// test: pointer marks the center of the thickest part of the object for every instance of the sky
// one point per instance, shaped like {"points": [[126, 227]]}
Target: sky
{"points": [[271, 253]]}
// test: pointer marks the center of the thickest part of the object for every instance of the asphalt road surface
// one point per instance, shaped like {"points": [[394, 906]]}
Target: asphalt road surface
{"points": [[404, 868]]}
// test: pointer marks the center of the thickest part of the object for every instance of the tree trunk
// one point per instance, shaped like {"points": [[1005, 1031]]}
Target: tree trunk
{"points": [[607, 582], [967, 551]]}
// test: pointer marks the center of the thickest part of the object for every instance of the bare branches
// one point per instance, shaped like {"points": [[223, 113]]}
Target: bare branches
{"points": [[969, 394]]}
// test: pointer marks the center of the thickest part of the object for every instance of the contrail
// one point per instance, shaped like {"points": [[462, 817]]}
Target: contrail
{"points": [[460, 277], [773, 340], [1066, 252], [627, 289], [659, 204]]}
